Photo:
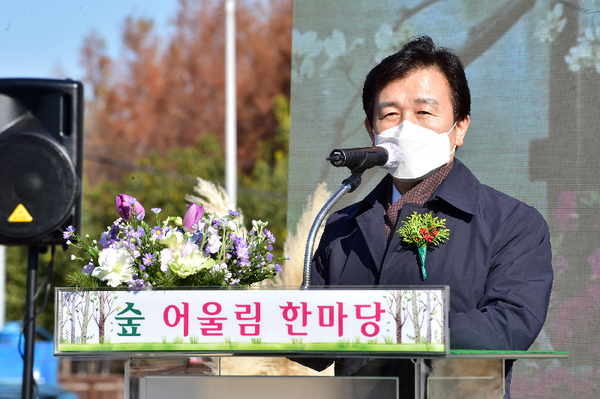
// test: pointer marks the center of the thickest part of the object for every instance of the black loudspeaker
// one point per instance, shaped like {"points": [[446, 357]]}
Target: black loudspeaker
{"points": [[41, 160]]}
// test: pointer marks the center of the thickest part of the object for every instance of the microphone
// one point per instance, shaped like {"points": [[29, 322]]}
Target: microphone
{"points": [[367, 157]]}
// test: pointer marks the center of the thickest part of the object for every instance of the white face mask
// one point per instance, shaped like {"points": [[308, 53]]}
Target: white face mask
{"points": [[416, 152]]}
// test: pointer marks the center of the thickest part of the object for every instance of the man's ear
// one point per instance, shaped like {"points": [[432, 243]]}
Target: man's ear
{"points": [[370, 131], [461, 130]]}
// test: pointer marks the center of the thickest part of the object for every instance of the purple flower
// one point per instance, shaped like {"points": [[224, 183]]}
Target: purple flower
{"points": [[270, 247], [269, 257], [156, 210], [193, 216], [137, 283], [128, 206], [213, 243], [241, 248], [114, 232], [233, 213], [270, 236], [68, 232], [159, 232], [88, 269], [104, 240], [277, 268], [148, 260], [137, 234]]}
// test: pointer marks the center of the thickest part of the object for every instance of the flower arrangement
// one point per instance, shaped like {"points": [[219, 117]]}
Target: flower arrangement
{"points": [[425, 231], [199, 250]]}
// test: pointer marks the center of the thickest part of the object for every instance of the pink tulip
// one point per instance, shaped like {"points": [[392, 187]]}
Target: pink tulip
{"points": [[193, 216], [127, 206]]}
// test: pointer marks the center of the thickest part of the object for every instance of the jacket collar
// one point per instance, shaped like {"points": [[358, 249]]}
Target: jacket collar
{"points": [[379, 195], [459, 189]]}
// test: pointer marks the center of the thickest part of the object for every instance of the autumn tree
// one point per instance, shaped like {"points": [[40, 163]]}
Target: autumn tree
{"points": [[159, 95], [155, 121]]}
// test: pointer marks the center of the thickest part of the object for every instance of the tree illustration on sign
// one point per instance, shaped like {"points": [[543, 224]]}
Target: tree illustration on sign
{"points": [[85, 318], [395, 308], [103, 310], [65, 314], [75, 300]]}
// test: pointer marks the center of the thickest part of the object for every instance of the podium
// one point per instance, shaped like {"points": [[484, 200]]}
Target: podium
{"points": [[173, 340], [153, 378]]}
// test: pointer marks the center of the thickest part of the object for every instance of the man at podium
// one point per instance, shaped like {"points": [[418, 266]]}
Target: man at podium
{"points": [[497, 257]]}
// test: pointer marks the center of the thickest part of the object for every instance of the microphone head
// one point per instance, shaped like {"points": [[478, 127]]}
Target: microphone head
{"points": [[337, 157], [365, 158], [395, 155]]}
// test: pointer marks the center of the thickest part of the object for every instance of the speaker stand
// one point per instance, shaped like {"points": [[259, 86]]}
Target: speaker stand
{"points": [[29, 323]]}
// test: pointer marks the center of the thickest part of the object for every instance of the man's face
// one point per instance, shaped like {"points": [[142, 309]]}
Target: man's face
{"points": [[423, 98]]}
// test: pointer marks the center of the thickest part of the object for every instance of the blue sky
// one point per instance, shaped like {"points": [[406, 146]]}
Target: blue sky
{"points": [[40, 37]]}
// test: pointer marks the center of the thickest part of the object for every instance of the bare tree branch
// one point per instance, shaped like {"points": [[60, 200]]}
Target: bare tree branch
{"points": [[489, 31]]}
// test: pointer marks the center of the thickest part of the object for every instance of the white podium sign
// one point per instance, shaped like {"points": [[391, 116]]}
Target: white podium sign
{"points": [[274, 321]]}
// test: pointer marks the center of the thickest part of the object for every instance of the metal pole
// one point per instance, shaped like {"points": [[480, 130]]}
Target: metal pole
{"points": [[230, 104], [29, 324]]}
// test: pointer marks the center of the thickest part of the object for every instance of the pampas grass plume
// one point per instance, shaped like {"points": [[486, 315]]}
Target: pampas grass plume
{"points": [[213, 198], [295, 244]]}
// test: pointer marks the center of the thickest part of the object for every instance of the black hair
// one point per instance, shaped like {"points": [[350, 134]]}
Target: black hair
{"points": [[419, 53]]}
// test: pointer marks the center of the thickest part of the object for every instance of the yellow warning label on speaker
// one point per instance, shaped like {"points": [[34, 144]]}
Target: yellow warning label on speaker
{"points": [[20, 215]]}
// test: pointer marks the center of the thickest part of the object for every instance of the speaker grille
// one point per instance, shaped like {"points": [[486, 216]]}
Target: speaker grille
{"points": [[37, 172]]}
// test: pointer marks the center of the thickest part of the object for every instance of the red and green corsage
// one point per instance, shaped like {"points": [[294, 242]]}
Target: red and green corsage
{"points": [[424, 230]]}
